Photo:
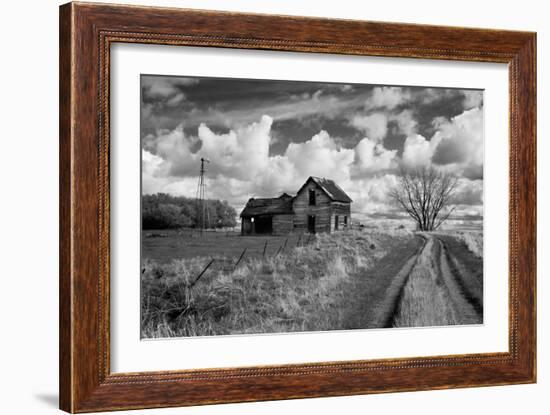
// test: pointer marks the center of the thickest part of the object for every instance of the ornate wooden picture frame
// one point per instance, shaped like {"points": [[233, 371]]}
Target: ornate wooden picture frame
{"points": [[87, 32]]}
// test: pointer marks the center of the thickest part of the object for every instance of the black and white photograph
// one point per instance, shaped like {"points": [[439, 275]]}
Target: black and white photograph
{"points": [[276, 206]]}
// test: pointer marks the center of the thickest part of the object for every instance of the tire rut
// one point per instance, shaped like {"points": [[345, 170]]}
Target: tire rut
{"points": [[457, 271], [432, 293]]}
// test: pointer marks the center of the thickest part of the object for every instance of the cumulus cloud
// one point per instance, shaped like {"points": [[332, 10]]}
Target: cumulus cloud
{"points": [[234, 191], [241, 165], [371, 195], [472, 99], [174, 148], [418, 151], [405, 122], [318, 156], [240, 158], [165, 90], [387, 97], [374, 125], [241, 153], [153, 177], [461, 143], [372, 157], [456, 146], [469, 192], [357, 135]]}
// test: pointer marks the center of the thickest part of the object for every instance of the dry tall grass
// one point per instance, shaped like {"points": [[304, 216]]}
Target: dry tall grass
{"points": [[424, 302], [472, 239], [302, 289]]}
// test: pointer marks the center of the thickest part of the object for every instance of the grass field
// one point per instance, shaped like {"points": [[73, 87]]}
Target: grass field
{"points": [[347, 280], [166, 245]]}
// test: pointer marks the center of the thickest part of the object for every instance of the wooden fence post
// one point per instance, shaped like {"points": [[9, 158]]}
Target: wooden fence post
{"points": [[241, 257], [201, 274], [284, 245]]}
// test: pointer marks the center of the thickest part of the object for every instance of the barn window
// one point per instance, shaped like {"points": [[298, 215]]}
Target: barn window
{"points": [[312, 197], [345, 221], [336, 222]]}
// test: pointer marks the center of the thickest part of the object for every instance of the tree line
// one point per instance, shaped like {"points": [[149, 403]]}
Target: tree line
{"points": [[164, 211]]}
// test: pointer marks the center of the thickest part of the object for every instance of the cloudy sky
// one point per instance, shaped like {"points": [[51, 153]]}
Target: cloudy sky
{"points": [[265, 137]]}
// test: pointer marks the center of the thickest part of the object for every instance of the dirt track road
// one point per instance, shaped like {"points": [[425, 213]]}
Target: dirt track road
{"points": [[437, 290], [429, 280]]}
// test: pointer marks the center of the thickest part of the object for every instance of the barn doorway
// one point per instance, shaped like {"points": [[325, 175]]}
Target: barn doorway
{"points": [[311, 223], [263, 224]]}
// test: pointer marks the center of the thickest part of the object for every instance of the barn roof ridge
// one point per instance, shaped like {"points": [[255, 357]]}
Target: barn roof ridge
{"points": [[330, 187], [282, 204]]}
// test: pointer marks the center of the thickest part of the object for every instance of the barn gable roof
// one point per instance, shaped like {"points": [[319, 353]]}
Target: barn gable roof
{"points": [[331, 189], [282, 205], [268, 206]]}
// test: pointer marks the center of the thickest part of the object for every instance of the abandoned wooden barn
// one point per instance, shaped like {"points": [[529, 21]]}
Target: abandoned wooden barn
{"points": [[319, 206]]}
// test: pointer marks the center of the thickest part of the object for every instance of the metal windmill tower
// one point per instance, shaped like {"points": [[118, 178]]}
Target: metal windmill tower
{"points": [[202, 211]]}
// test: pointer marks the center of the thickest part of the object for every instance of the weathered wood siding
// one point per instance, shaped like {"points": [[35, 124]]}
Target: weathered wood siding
{"points": [[283, 224], [246, 226], [325, 211], [321, 210], [341, 210]]}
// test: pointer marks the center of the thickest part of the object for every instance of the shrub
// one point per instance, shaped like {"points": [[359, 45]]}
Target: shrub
{"points": [[163, 211]]}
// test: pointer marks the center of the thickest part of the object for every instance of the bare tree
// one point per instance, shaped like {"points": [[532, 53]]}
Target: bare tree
{"points": [[425, 194]]}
